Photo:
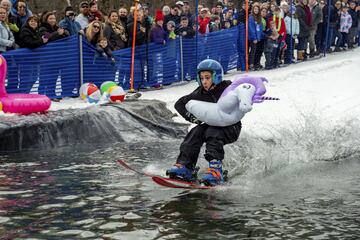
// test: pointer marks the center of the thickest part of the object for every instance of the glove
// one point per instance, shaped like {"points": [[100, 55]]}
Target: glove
{"points": [[13, 27], [191, 118]]}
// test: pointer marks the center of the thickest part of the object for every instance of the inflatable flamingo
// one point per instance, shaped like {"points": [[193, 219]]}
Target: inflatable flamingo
{"points": [[234, 103], [20, 103]]}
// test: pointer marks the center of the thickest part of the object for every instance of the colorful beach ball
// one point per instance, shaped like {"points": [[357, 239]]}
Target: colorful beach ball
{"points": [[93, 94], [83, 91], [117, 94], [105, 86]]}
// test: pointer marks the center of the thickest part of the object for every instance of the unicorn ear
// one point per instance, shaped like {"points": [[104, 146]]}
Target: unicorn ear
{"points": [[264, 79]]}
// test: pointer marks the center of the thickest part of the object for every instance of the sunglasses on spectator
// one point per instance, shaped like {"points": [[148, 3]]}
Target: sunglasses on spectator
{"points": [[96, 26], [70, 14], [21, 6]]}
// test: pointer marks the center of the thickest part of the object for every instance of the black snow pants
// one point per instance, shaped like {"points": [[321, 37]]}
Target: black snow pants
{"points": [[215, 139]]}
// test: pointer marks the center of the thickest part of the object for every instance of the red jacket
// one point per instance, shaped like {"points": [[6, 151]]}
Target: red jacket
{"points": [[204, 24], [281, 29]]}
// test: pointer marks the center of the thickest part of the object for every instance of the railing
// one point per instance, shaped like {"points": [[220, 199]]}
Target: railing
{"points": [[59, 68]]}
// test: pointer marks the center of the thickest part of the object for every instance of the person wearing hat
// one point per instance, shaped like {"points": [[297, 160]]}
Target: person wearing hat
{"points": [[204, 20], [83, 17], [157, 33], [69, 23], [173, 16], [186, 12]]}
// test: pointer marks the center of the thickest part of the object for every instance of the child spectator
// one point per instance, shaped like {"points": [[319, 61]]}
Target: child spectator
{"points": [[184, 29], [215, 24], [69, 23], [271, 45], [292, 31], [157, 33], [345, 24], [95, 14], [115, 32], [281, 28], [170, 29], [94, 35]]}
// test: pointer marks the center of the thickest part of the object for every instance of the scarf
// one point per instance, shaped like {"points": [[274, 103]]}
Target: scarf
{"points": [[308, 15], [278, 24], [119, 31]]}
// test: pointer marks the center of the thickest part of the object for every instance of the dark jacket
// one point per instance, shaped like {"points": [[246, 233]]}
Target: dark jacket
{"points": [[304, 26], [140, 35], [114, 40], [355, 17], [51, 32], [158, 35], [202, 95], [30, 38], [190, 32], [317, 16]]}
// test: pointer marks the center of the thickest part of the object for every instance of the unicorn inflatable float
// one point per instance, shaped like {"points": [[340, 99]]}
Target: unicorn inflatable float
{"points": [[234, 103], [19, 103]]}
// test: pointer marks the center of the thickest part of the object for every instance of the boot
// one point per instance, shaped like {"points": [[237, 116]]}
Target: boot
{"points": [[214, 175], [181, 172], [312, 53], [300, 55]]}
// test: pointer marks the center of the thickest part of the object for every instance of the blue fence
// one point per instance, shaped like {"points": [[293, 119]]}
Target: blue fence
{"points": [[56, 68]]}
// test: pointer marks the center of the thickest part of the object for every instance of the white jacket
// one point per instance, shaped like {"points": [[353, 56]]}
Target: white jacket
{"points": [[6, 37], [295, 25]]}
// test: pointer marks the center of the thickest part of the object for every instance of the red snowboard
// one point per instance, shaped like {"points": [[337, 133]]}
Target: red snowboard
{"points": [[167, 182]]}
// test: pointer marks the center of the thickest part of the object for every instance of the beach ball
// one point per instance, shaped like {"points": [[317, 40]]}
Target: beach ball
{"points": [[105, 86], [116, 94], [83, 91], [93, 93]]}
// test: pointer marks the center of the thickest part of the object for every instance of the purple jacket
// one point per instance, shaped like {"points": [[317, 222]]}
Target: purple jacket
{"points": [[158, 34]]}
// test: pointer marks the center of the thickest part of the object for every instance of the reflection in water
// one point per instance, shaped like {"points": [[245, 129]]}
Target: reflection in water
{"points": [[68, 194]]}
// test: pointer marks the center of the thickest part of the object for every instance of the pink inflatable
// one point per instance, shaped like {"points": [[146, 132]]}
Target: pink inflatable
{"points": [[20, 103]]}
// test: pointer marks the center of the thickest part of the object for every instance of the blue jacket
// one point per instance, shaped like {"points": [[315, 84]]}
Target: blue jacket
{"points": [[255, 29], [72, 26]]}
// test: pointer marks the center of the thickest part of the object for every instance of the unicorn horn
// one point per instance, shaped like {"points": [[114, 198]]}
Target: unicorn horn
{"points": [[269, 98]]}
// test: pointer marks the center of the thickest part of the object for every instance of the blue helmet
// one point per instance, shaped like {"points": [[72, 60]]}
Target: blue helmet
{"points": [[211, 66]]}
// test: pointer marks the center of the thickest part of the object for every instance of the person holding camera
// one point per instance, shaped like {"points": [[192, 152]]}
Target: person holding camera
{"points": [[69, 23]]}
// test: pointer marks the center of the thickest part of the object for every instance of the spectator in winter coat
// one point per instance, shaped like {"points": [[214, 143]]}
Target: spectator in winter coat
{"points": [[69, 23], [7, 40], [261, 44], [157, 33], [94, 35], [305, 19], [345, 24], [95, 14], [170, 30], [215, 24], [337, 36], [255, 32], [83, 17], [140, 29], [316, 13], [30, 35], [173, 16], [204, 20], [271, 45], [353, 31], [20, 10], [292, 31], [184, 29], [186, 12], [281, 28], [50, 30], [115, 32], [123, 16]]}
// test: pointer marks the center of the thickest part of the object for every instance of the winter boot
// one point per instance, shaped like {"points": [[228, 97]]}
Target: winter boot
{"points": [[214, 175], [300, 55], [312, 53], [181, 172]]}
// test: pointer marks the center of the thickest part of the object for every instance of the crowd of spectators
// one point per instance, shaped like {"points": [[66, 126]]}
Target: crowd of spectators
{"points": [[276, 29]]}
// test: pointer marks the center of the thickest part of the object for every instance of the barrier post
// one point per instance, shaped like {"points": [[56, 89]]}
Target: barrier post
{"points": [[181, 59], [247, 36], [133, 48], [81, 60]]}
